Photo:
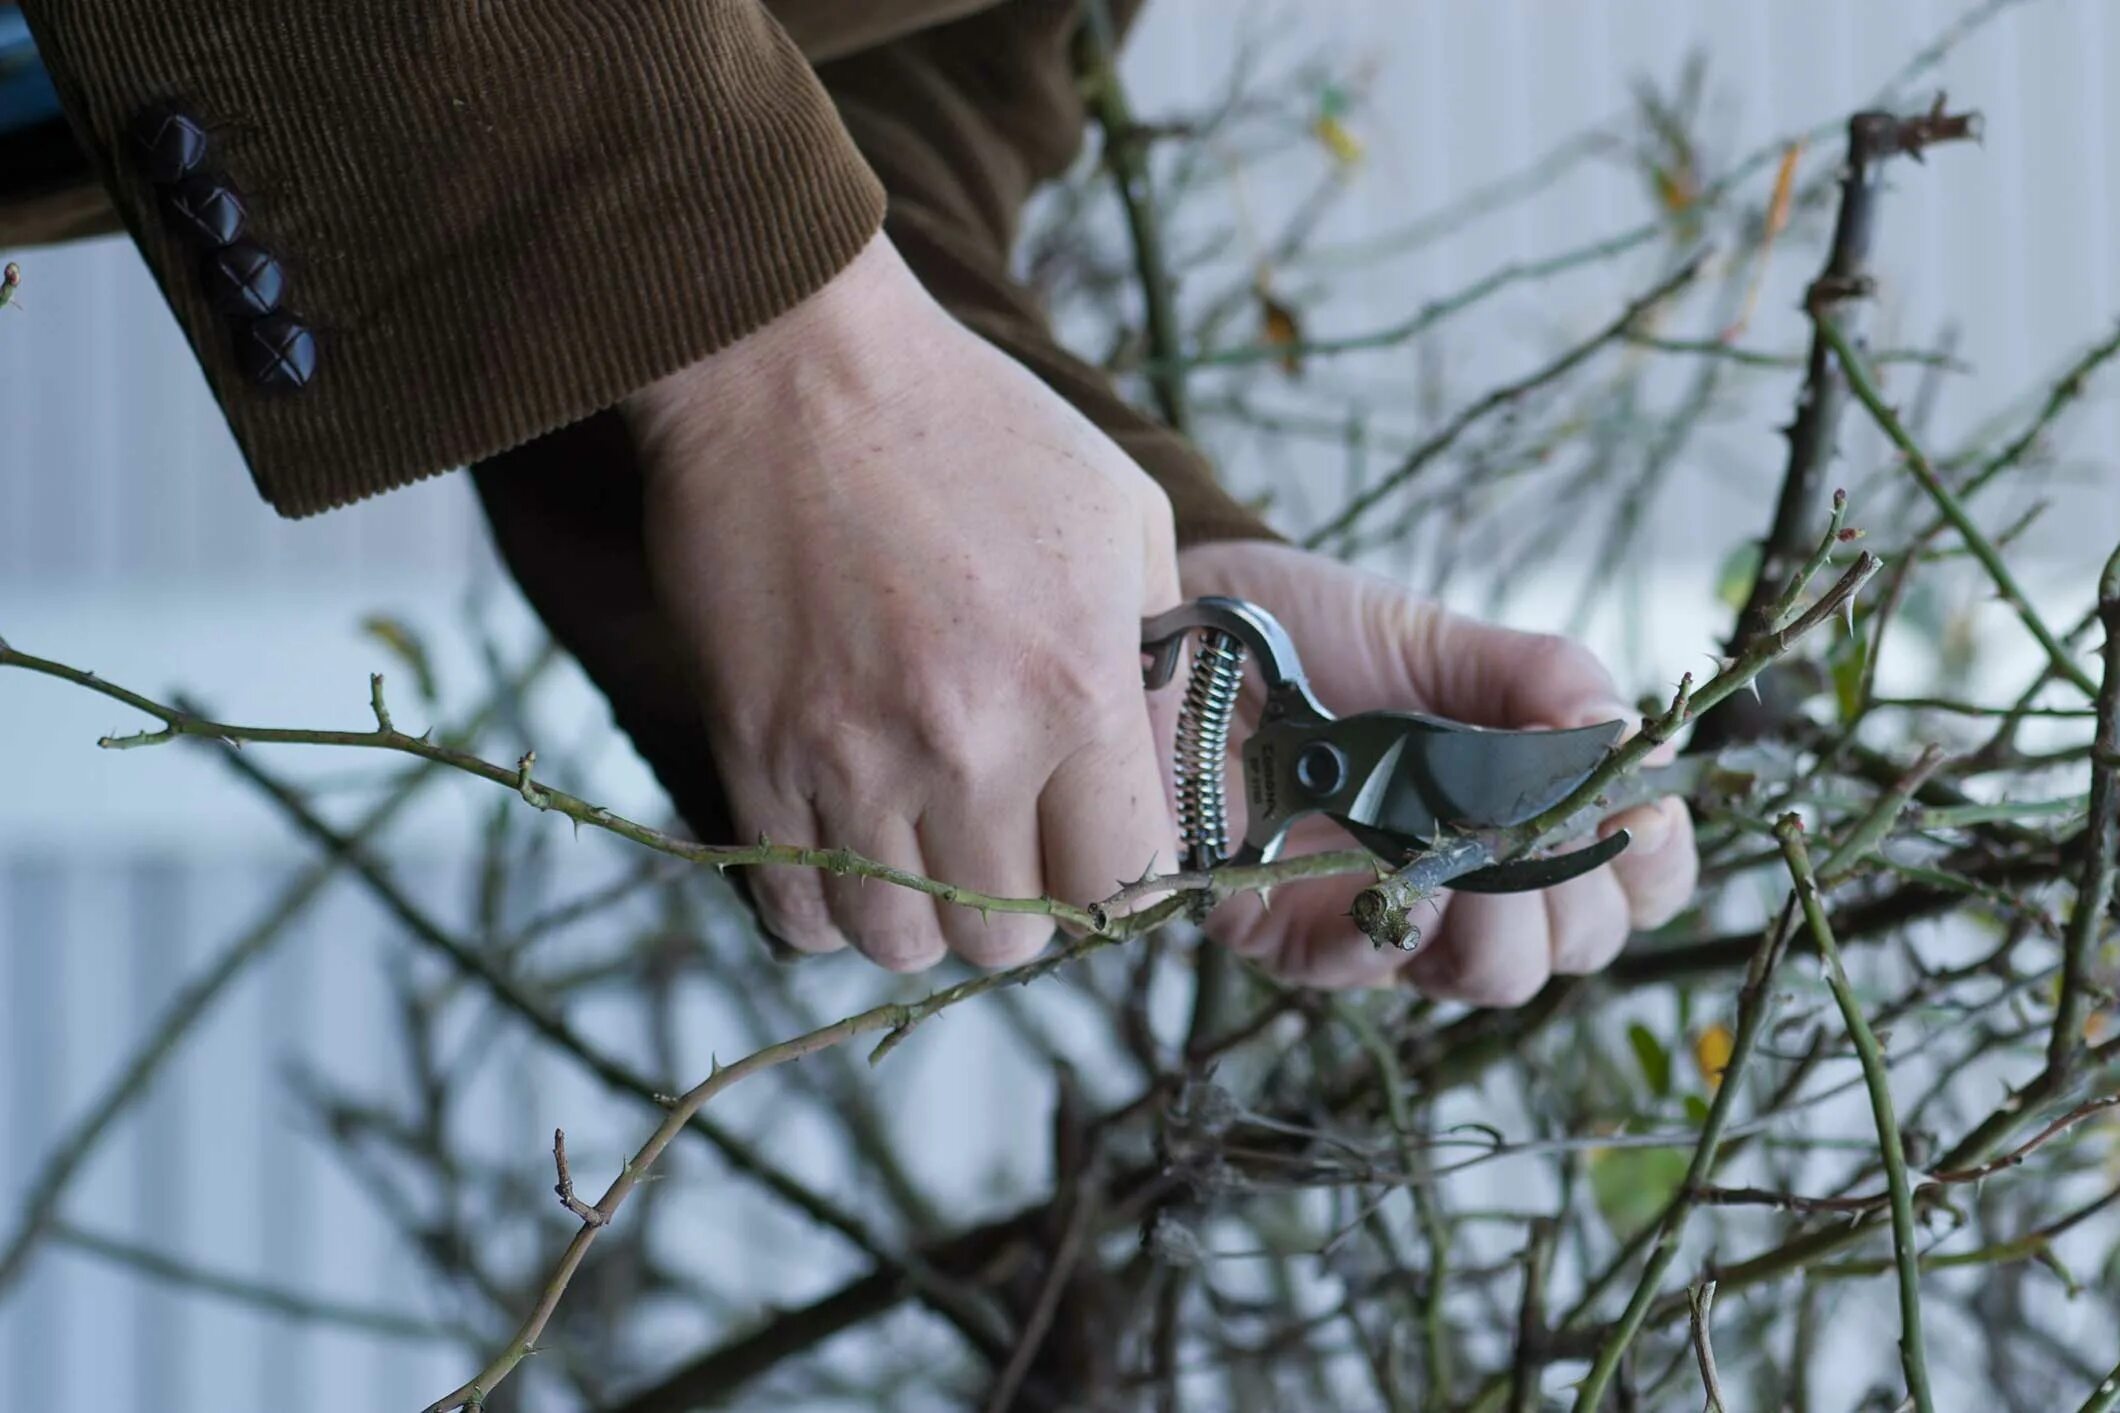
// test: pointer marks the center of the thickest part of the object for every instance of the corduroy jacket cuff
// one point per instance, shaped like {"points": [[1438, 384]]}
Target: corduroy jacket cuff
{"points": [[404, 238]]}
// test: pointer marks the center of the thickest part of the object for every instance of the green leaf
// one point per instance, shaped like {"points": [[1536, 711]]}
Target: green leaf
{"points": [[1733, 582], [1696, 1110], [2110, 1274], [1633, 1185], [406, 646], [2047, 1257], [1846, 661], [1653, 1057]]}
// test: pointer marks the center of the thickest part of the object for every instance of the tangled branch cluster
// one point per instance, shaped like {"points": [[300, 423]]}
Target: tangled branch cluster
{"points": [[1904, 897]]}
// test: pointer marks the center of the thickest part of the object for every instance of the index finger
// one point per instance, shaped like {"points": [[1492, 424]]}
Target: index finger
{"points": [[1494, 676], [1103, 817]]}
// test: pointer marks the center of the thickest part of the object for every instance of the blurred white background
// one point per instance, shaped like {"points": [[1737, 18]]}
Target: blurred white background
{"points": [[131, 543]]}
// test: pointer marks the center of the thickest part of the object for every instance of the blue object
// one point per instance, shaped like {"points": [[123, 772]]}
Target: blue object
{"points": [[26, 94]]}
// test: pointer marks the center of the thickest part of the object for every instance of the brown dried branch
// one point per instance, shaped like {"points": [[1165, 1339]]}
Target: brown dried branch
{"points": [[1873, 139], [1702, 1300]]}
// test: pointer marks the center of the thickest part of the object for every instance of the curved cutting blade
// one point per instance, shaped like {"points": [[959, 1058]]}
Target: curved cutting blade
{"points": [[1530, 875], [1493, 779]]}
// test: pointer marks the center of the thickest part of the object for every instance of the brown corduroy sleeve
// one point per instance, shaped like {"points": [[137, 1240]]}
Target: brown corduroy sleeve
{"points": [[493, 218], [962, 122]]}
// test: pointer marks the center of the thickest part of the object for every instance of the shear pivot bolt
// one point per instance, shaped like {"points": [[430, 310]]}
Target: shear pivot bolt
{"points": [[1321, 768]]}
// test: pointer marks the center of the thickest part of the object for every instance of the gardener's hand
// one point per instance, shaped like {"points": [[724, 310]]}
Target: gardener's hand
{"points": [[913, 580], [1369, 644]]}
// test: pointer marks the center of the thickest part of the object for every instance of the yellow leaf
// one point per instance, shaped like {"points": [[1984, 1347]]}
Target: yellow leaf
{"points": [[1784, 191], [1676, 190], [1778, 206], [1345, 147], [406, 645], [1711, 1052], [1281, 329]]}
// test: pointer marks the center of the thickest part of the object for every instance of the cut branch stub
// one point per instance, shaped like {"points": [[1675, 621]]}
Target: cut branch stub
{"points": [[1874, 138]]}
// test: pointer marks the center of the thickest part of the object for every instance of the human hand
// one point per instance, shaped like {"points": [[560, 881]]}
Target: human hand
{"points": [[912, 581], [1369, 644]]}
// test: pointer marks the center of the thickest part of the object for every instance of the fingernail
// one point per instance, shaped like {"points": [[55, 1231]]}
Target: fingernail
{"points": [[1650, 826], [784, 953], [1599, 713]]}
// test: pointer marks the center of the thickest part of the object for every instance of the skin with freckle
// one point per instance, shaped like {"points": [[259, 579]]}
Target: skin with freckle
{"points": [[912, 580], [841, 512], [1369, 643]]}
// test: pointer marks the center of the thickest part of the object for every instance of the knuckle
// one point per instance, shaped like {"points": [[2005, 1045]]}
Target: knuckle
{"points": [[836, 773], [1589, 947], [1562, 658], [1659, 903], [1570, 670], [949, 731], [1070, 679], [1155, 509], [794, 911], [782, 758]]}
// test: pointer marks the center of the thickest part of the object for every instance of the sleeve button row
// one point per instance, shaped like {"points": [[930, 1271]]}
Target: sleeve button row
{"points": [[243, 281], [207, 210], [277, 353], [169, 145]]}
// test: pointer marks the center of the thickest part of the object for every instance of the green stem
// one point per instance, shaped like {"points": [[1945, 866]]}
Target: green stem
{"points": [[2106, 1397], [65, 1159], [1867, 834], [1912, 1350], [1126, 158], [1506, 396], [1105, 917], [264, 1296], [1864, 386], [1751, 1013]]}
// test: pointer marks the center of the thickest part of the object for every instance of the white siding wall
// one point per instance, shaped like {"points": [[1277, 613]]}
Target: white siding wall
{"points": [[130, 542]]}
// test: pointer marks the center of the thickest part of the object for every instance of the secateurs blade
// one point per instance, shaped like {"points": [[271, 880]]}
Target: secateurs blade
{"points": [[1398, 781]]}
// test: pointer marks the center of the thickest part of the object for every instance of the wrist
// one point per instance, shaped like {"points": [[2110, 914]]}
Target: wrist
{"points": [[827, 355]]}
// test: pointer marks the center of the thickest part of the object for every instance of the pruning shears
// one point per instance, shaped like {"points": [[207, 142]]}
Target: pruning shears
{"points": [[1397, 781]]}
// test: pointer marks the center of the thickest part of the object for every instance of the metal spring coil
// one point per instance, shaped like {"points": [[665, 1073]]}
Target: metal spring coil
{"points": [[1204, 719]]}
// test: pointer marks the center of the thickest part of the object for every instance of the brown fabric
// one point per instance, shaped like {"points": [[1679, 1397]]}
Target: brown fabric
{"points": [[832, 29], [960, 123], [502, 217], [498, 215], [51, 217], [504, 221]]}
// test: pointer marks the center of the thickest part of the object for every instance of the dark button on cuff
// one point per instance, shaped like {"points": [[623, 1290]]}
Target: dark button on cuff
{"points": [[244, 281], [277, 353], [208, 210], [168, 145]]}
